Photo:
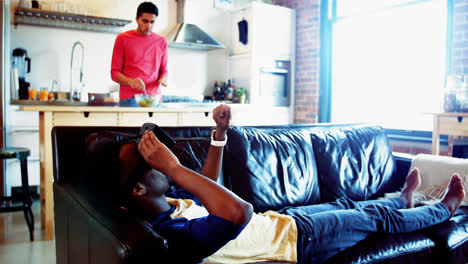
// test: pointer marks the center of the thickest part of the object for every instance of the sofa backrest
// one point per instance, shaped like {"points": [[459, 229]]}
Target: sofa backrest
{"points": [[68, 145], [271, 167], [275, 167], [353, 161]]}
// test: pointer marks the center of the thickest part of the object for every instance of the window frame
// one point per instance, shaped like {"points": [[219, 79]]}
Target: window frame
{"points": [[327, 18]]}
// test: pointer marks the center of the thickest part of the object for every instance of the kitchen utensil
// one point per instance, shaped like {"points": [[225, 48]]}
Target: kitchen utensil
{"points": [[147, 100], [22, 63]]}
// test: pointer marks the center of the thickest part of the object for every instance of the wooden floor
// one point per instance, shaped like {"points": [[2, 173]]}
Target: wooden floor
{"points": [[15, 246]]}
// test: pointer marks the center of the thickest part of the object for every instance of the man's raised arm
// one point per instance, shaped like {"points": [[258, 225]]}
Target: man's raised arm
{"points": [[217, 199], [212, 166]]}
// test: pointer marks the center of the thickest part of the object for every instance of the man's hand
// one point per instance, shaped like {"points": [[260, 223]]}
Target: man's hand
{"points": [[163, 80], [137, 83], [156, 154], [222, 117]]}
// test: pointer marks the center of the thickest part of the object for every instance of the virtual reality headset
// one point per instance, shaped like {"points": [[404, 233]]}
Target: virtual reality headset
{"points": [[158, 132]]}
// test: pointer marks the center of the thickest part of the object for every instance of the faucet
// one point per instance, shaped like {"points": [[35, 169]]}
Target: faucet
{"points": [[71, 67], [54, 84]]}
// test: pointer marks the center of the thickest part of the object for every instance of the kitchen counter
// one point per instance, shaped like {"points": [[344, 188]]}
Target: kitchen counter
{"points": [[167, 115], [83, 106], [166, 107], [47, 103]]}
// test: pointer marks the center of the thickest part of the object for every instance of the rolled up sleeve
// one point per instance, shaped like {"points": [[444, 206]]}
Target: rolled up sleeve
{"points": [[163, 63], [117, 58]]}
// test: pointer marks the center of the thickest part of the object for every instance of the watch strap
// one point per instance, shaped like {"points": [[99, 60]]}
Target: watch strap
{"points": [[218, 143]]}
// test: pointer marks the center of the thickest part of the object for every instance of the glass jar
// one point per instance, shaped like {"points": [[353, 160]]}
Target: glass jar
{"points": [[449, 103], [462, 94], [452, 95]]}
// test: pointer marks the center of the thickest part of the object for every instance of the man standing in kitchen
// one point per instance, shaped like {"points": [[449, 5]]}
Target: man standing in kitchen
{"points": [[139, 59]]}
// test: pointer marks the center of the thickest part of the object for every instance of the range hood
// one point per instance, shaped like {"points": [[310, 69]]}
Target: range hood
{"points": [[189, 36]]}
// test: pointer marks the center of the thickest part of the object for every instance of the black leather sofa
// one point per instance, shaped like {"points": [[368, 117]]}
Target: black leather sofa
{"points": [[270, 167]]}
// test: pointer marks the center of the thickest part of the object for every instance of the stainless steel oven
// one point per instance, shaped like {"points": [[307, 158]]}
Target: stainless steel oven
{"points": [[274, 84]]}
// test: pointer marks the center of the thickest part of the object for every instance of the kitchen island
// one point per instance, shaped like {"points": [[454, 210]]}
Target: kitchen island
{"points": [[168, 115]]}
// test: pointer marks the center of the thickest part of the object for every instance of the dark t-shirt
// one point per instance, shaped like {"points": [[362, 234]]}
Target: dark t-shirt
{"points": [[190, 241]]}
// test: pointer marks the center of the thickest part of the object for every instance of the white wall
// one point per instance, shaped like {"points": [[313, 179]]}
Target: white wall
{"points": [[190, 71]]}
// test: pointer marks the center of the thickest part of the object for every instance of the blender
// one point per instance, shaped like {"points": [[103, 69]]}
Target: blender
{"points": [[22, 64]]}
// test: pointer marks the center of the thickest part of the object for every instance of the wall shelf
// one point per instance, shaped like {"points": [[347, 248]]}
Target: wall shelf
{"points": [[38, 17]]}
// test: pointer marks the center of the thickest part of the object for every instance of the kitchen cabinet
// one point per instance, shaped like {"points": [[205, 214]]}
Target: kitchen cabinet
{"points": [[265, 65], [242, 115], [197, 119], [84, 119], [137, 119], [271, 30]]}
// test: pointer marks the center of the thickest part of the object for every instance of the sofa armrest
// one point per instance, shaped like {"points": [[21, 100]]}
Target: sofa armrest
{"points": [[84, 235]]}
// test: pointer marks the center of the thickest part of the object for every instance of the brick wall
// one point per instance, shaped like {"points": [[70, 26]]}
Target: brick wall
{"points": [[308, 53], [307, 58], [460, 37]]}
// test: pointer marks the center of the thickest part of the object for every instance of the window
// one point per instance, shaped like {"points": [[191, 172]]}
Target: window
{"points": [[387, 61]]}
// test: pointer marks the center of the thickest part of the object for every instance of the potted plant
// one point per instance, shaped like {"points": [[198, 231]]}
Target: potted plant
{"points": [[241, 93]]}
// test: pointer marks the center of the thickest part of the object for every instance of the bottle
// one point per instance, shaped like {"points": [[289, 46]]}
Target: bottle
{"points": [[34, 4], [53, 88], [229, 92], [216, 87], [221, 92], [215, 92], [23, 4]]}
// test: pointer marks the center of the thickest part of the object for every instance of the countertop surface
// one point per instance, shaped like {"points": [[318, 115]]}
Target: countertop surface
{"points": [[26, 105]]}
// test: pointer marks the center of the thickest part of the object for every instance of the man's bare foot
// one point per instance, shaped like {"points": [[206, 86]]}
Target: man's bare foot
{"points": [[454, 194], [413, 180]]}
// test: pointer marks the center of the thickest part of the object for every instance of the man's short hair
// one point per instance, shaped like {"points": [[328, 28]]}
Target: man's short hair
{"points": [[147, 7]]}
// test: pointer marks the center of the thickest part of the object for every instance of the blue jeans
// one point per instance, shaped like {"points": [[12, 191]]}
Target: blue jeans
{"points": [[326, 229], [130, 102]]}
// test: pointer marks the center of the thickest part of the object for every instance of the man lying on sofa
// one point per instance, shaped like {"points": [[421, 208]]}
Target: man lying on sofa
{"points": [[203, 221]]}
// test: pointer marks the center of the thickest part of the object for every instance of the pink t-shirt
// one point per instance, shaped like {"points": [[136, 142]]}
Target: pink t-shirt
{"points": [[136, 55]]}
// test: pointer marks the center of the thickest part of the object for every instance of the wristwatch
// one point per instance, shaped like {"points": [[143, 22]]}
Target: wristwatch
{"points": [[217, 143]]}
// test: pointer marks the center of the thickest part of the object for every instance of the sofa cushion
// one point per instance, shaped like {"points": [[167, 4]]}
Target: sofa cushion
{"points": [[383, 248], [192, 152], [353, 161], [271, 168], [451, 238]]}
